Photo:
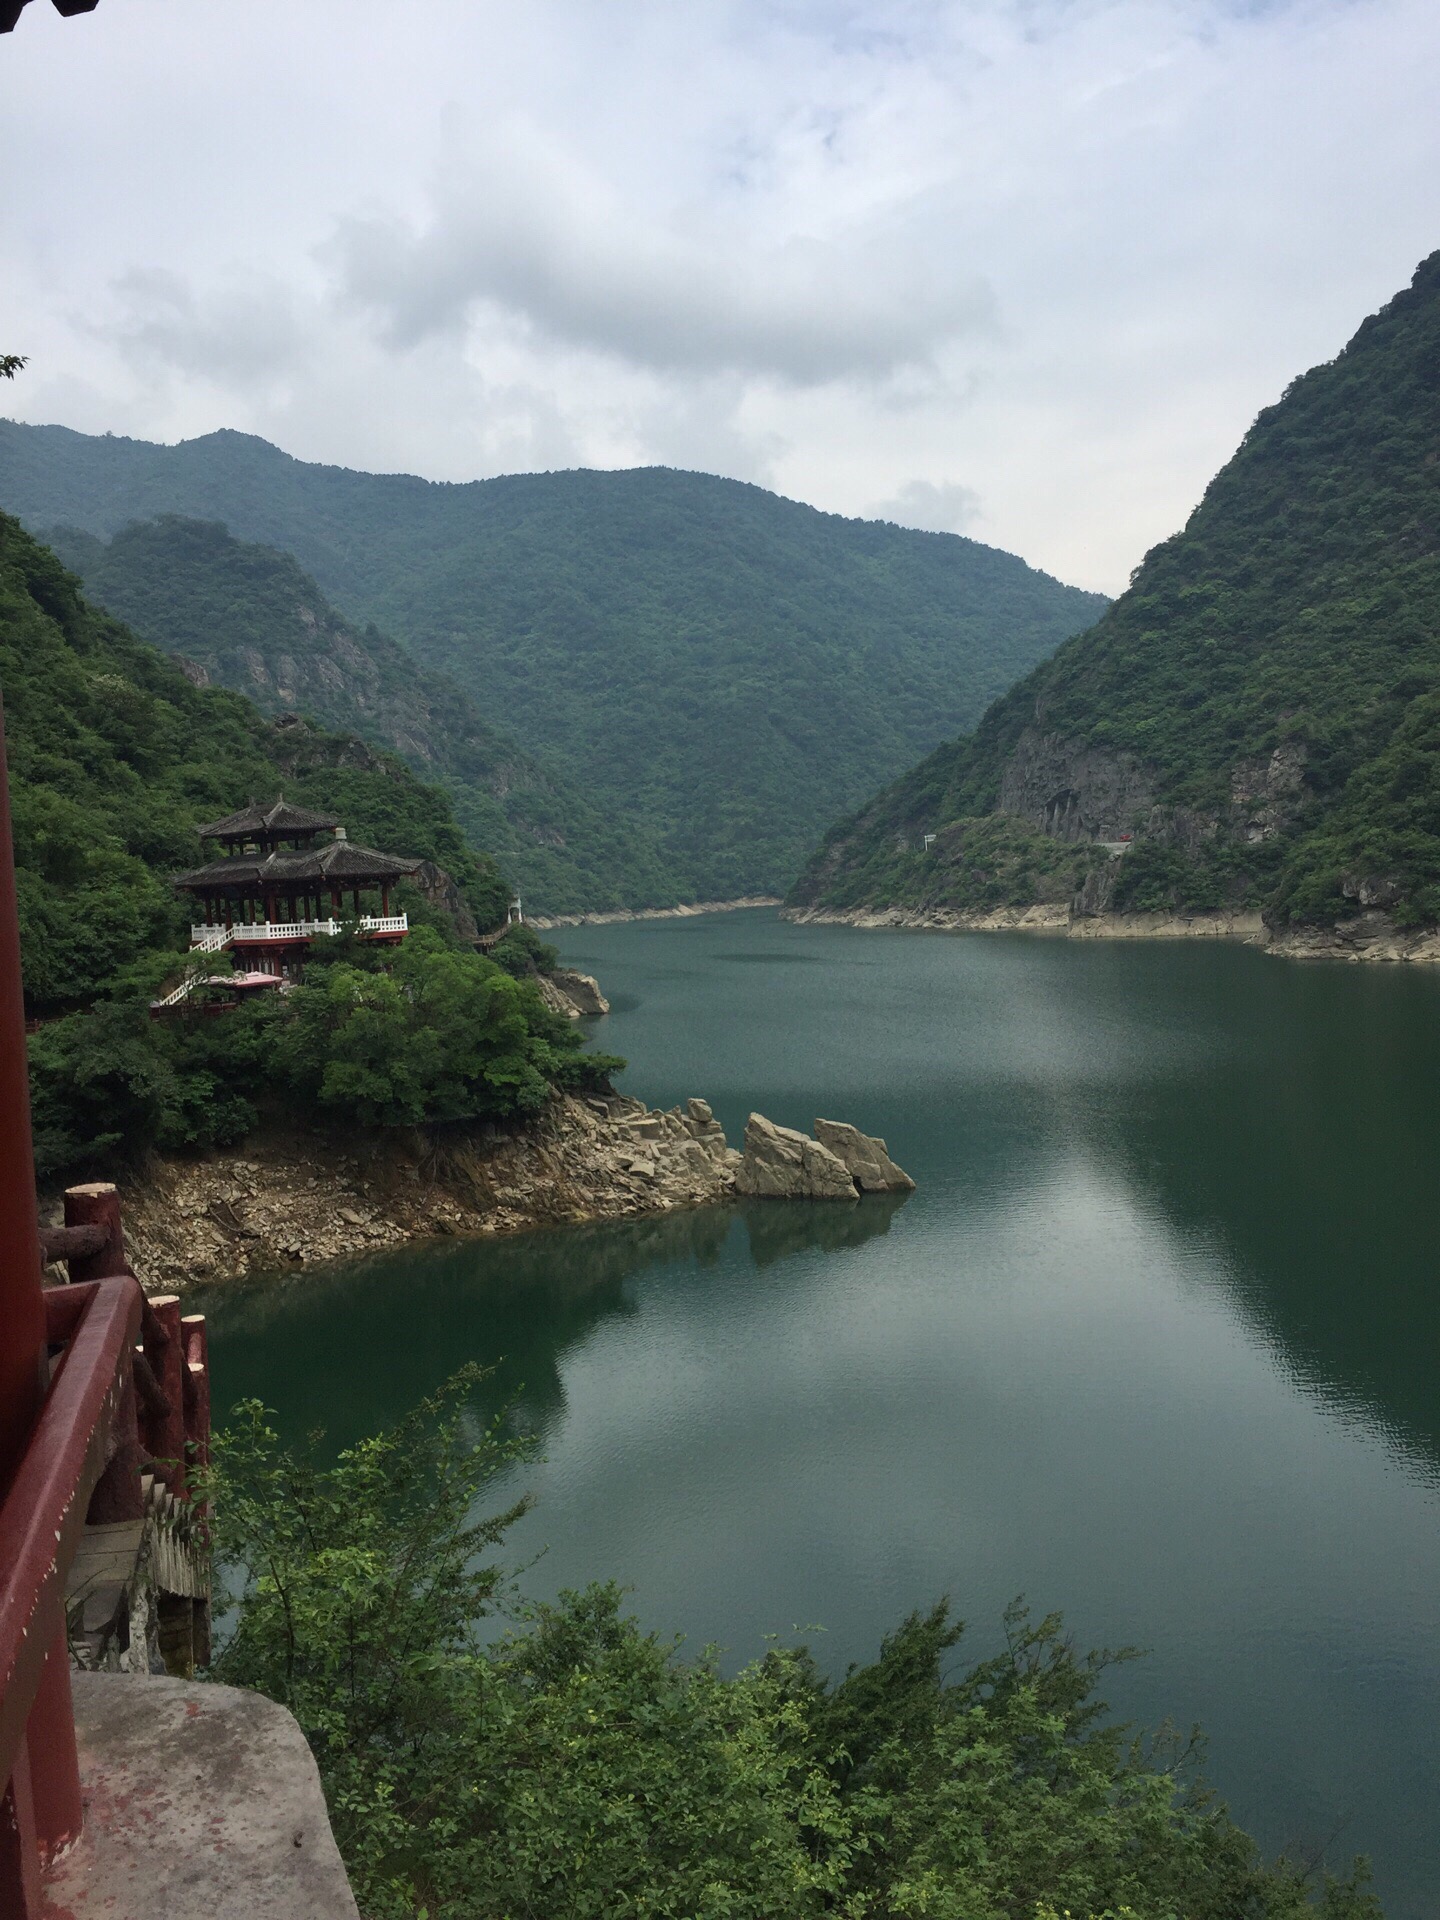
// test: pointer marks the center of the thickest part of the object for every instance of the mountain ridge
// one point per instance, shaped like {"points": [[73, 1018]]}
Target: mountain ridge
{"points": [[721, 670]]}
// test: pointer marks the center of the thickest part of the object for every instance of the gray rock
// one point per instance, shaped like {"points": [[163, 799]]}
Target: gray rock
{"points": [[700, 1112], [781, 1164], [864, 1157], [582, 990]]}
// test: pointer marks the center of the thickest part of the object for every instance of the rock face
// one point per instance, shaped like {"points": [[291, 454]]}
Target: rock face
{"points": [[864, 1158], [573, 994], [780, 1163], [582, 990], [297, 1200]]}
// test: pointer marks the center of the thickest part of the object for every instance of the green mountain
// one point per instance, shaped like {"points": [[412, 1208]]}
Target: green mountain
{"points": [[723, 671], [1260, 711], [114, 756], [249, 618]]}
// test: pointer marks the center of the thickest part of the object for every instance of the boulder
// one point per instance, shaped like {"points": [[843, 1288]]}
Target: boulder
{"points": [[781, 1164], [582, 990], [864, 1158]]}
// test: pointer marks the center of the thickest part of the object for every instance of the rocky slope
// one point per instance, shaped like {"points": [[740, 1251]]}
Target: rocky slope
{"points": [[294, 1200], [287, 1201]]}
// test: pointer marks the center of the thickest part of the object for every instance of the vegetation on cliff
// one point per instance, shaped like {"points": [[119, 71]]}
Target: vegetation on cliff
{"points": [[722, 670], [249, 618], [114, 756], [578, 1765], [1261, 709]]}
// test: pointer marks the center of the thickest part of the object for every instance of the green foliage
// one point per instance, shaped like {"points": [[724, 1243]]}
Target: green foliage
{"points": [[1299, 610], [521, 951], [720, 671], [255, 622], [439, 1035], [114, 756], [579, 1766]]}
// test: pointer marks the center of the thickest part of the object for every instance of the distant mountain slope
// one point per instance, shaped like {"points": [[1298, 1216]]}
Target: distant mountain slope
{"points": [[1261, 710], [247, 617], [115, 758], [721, 668]]}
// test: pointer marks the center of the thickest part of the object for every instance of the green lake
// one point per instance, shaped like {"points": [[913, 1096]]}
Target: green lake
{"points": [[1154, 1343]]}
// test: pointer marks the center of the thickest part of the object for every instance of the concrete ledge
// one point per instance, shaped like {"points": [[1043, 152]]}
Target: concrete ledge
{"points": [[201, 1803]]}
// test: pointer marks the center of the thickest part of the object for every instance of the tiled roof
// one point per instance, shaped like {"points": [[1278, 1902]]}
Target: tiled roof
{"points": [[252, 821], [337, 863]]}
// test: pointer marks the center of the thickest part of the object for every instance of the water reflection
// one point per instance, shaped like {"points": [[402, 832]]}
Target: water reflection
{"points": [[519, 1305]]}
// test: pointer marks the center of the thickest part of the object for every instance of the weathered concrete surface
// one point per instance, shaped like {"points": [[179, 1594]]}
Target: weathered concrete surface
{"points": [[865, 1158], [201, 1803]]}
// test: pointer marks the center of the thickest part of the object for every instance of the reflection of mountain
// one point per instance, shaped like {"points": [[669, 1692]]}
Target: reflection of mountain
{"points": [[351, 1350], [779, 1228], [355, 1348], [1308, 1149]]}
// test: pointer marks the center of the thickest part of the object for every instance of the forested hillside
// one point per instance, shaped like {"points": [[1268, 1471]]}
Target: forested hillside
{"points": [[1261, 710], [114, 757], [721, 670], [248, 617]]}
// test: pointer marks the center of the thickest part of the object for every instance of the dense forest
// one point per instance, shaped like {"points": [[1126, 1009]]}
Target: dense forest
{"points": [[248, 617], [721, 670], [114, 757], [1260, 711]]}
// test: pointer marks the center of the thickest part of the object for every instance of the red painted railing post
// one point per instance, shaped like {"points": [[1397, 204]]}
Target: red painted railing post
{"points": [[54, 1764], [167, 1362], [19, 1855], [97, 1205]]}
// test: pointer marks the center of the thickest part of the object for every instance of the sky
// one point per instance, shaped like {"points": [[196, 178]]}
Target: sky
{"points": [[1021, 269]]}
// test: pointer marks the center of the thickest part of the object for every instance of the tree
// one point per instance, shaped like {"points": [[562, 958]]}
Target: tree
{"points": [[577, 1765]]}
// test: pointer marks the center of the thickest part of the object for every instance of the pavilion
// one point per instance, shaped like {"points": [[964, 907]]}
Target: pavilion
{"points": [[280, 884]]}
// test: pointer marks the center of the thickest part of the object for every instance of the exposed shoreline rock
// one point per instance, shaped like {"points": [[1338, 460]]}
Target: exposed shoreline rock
{"points": [[1369, 936], [840, 1163], [285, 1201], [576, 995], [545, 921]]}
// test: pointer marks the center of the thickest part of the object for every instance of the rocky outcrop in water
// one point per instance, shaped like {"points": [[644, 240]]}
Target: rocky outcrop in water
{"points": [[864, 1158], [781, 1163]]}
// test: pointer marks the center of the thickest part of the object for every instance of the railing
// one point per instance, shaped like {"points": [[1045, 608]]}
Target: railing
{"points": [[262, 932], [129, 1387]]}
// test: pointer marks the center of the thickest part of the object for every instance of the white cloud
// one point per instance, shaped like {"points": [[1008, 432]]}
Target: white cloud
{"points": [[946, 507], [1066, 248]]}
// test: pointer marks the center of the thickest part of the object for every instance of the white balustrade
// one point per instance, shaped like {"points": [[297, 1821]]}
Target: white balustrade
{"points": [[262, 932]]}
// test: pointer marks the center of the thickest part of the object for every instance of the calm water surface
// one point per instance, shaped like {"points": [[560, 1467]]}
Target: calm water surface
{"points": [[1154, 1342]]}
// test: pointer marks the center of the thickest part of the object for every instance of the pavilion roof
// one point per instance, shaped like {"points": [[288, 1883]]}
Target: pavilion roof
{"points": [[336, 863], [256, 821]]}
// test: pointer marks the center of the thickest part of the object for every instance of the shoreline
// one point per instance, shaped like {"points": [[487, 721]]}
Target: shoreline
{"points": [[613, 916], [1371, 937], [286, 1201]]}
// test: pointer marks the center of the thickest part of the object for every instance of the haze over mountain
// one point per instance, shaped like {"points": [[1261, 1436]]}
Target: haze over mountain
{"points": [[720, 669], [1261, 710]]}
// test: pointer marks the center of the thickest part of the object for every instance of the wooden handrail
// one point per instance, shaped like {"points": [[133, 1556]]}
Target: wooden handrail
{"points": [[44, 1512]]}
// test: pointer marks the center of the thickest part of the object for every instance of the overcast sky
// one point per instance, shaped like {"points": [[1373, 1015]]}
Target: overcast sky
{"points": [[1024, 269]]}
